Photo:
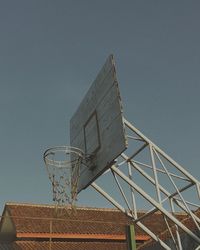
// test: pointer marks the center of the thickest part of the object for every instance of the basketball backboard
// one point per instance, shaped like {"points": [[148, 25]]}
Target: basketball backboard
{"points": [[97, 127]]}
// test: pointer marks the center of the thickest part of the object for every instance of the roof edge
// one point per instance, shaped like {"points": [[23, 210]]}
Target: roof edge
{"points": [[26, 204]]}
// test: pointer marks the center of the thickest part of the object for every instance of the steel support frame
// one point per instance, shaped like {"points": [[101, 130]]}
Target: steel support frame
{"points": [[174, 199]]}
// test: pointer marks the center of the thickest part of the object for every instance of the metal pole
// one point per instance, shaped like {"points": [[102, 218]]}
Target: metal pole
{"points": [[117, 205], [130, 126], [154, 203]]}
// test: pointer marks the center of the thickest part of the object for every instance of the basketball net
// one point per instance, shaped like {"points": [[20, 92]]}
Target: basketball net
{"points": [[63, 167]]}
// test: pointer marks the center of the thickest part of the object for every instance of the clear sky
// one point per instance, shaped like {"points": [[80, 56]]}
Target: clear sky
{"points": [[51, 51]]}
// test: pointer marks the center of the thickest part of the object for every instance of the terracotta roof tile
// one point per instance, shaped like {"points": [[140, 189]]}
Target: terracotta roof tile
{"points": [[30, 218], [164, 235], [33, 245], [37, 218], [156, 222]]}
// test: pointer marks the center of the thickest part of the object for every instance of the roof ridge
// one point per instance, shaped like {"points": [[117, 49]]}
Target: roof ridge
{"points": [[52, 206], [80, 207]]}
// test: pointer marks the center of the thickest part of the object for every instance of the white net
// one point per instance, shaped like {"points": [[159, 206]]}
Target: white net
{"points": [[63, 167]]}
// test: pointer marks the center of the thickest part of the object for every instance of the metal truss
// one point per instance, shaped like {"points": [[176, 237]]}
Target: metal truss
{"points": [[145, 172]]}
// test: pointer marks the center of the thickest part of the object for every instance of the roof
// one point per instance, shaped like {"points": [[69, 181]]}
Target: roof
{"points": [[37, 227], [36, 218], [165, 235], [31, 226], [45, 245], [29, 218]]}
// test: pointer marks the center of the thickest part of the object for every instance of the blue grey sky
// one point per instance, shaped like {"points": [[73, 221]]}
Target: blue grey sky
{"points": [[51, 51]]}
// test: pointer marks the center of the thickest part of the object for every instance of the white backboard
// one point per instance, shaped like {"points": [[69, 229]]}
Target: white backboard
{"points": [[97, 126]]}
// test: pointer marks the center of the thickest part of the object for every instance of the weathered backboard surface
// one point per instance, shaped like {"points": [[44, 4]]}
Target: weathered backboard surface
{"points": [[97, 126]]}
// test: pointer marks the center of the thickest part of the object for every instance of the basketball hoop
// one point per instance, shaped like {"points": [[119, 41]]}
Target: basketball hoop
{"points": [[63, 167]]}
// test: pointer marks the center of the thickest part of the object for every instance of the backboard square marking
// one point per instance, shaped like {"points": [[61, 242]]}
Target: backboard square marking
{"points": [[91, 135]]}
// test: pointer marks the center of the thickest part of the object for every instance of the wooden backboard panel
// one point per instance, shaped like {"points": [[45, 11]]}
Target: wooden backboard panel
{"points": [[97, 126]]}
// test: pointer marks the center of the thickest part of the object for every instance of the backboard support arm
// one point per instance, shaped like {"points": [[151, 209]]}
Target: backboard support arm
{"points": [[169, 199]]}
